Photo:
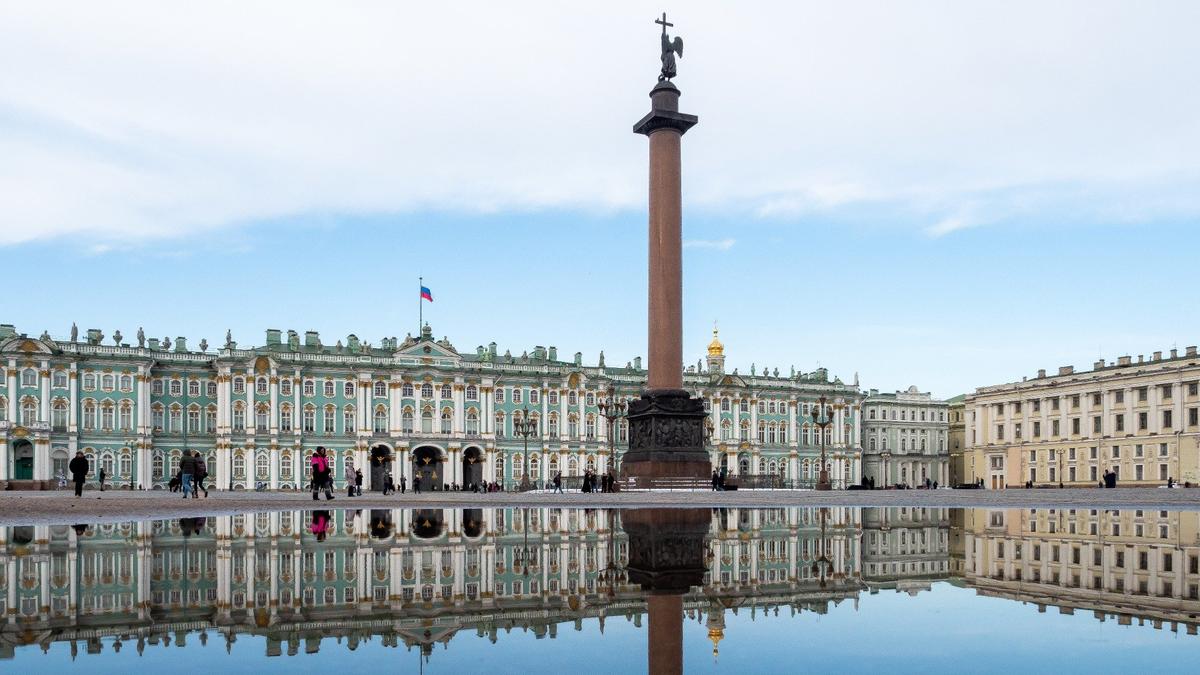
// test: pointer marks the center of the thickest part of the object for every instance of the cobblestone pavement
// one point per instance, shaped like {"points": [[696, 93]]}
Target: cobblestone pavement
{"points": [[113, 505]]}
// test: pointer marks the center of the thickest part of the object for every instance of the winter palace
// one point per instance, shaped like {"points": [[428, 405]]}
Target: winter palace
{"points": [[412, 407]]}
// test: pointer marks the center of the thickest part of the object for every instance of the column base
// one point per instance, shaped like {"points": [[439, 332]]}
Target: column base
{"points": [[666, 437]]}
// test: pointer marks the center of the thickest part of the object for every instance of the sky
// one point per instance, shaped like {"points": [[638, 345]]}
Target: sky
{"points": [[941, 194]]}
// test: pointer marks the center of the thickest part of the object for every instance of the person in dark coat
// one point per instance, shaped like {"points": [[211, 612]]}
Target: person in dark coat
{"points": [[79, 470], [187, 468], [103, 475], [716, 480], [403, 484], [358, 482]]}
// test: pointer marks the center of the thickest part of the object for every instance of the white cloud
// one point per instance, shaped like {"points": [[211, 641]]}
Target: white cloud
{"points": [[947, 225], [133, 120], [716, 244]]}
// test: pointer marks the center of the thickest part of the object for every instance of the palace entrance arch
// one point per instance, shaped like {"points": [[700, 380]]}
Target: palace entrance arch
{"points": [[381, 463], [23, 460], [429, 468], [472, 468]]}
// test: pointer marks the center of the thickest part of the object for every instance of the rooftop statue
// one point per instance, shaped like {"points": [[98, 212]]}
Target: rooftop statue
{"points": [[669, 49]]}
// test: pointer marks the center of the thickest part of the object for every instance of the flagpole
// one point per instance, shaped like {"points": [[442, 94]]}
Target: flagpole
{"points": [[420, 306]]}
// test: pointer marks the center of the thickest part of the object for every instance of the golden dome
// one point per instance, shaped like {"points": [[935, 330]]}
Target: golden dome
{"points": [[715, 635], [715, 348]]}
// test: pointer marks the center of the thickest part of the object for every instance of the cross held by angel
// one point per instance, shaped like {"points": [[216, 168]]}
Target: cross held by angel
{"points": [[669, 49]]}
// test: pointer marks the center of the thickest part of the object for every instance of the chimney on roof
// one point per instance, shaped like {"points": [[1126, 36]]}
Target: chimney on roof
{"points": [[1157, 356], [273, 336], [492, 349], [1141, 359], [1124, 360], [1191, 351], [1174, 353], [312, 338], [553, 354], [1041, 373], [1098, 365], [579, 358], [181, 344], [637, 363], [1066, 370]]}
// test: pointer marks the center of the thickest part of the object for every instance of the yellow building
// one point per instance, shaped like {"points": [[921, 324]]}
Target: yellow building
{"points": [[1139, 419], [957, 438]]}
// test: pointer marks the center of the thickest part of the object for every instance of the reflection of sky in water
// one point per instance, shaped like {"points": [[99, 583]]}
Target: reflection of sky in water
{"points": [[945, 628]]}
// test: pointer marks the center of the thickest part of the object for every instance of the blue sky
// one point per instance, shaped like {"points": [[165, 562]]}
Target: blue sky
{"points": [[942, 196]]}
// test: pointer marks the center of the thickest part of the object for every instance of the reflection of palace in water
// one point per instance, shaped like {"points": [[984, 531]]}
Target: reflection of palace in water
{"points": [[418, 578]]}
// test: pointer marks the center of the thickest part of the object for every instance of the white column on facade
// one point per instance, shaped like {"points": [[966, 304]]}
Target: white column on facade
{"points": [[73, 397], [44, 380], [12, 393], [793, 430], [460, 404], [273, 419]]}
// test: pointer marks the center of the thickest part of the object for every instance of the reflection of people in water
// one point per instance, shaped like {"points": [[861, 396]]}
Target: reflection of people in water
{"points": [[80, 529], [320, 524]]}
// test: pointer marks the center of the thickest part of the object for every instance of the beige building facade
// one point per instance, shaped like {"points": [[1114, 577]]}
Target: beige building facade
{"points": [[1138, 418]]}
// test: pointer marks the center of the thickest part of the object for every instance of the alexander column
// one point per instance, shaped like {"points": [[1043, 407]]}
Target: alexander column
{"points": [[666, 425]]}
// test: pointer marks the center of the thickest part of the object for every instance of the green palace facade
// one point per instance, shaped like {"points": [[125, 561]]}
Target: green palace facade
{"points": [[411, 407]]}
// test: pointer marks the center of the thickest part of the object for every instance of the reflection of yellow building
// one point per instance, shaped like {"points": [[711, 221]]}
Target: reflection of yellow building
{"points": [[1139, 418], [1142, 564]]}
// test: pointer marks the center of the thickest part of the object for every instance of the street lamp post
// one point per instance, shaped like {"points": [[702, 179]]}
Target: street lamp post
{"points": [[612, 410], [822, 420], [524, 426]]}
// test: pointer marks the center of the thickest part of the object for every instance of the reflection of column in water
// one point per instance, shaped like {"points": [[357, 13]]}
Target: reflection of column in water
{"points": [[667, 558]]}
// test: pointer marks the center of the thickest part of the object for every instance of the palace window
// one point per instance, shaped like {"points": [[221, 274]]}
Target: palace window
{"points": [[285, 387], [310, 420], [348, 389], [446, 420], [406, 390], [106, 416], [406, 421], [762, 407], [156, 466], [239, 385], [589, 428], [380, 389], [58, 416], [107, 382], [285, 467], [59, 379], [516, 394], [500, 425], [572, 427], [193, 420], [427, 421], [426, 390], [29, 377], [590, 399], [572, 399], [309, 388], [193, 388], [552, 426], [260, 385], [210, 421], [285, 418], [447, 392], [552, 398], [239, 418], [211, 389], [349, 420], [239, 465], [330, 424], [744, 406], [156, 417], [762, 432], [472, 422], [472, 393], [262, 417], [381, 421], [89, 383], [328, 388], [725, 405], [262, 466]]}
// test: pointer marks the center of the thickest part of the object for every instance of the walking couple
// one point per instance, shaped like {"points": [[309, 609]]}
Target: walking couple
{"points": [[322, 474]]}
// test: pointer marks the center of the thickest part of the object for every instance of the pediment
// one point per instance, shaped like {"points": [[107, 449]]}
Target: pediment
{"points": [[732, 381], [427, 349], [28, 345]]}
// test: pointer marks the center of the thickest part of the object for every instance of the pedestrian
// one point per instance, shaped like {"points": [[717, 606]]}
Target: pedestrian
{"points": [[358, 482], [321, 474], [612, 481], [201, 475], [79, 471], [103, 475], [715, 480], [417, 484], [403, 484], [187, 469], [558, 482]]}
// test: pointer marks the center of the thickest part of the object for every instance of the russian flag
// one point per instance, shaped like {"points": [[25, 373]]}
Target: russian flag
{"points": [[425, 294]]}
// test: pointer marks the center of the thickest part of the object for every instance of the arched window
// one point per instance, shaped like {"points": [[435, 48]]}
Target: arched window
{"points": [[518, 469], [260, 385], [285, 466], [89, 382], [262, 417], [29, 377], [553, 463], [572, 399], [239, 416], [309, 388], [499, 475], [406, 390], [107, 416], [590, 399], [262, 466], [762, 432], [591, 463], [726, 430], [329, 420], [589, 427], [239, 385], [210, 390], [472, 392], [285, 387], [762, 465], [871, 443], [406, 421], [535, 465], [472, 421], [107, 381], [447, 392], [156, 465], [427, 420], [572, 427], [380, 389], [535, 395], [59, 380], [552, 426], [348, 389], [447, 418], [745, 430], [349, 420], [381, 421], [106, 463], [310, 419], [552, 397], [3, 406], [783, 433], [239, 465], [285, 417], [725, 405], [156, 416], [427, 391], [58, 416], [175, 420], [572, 466], [29, 412]]}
